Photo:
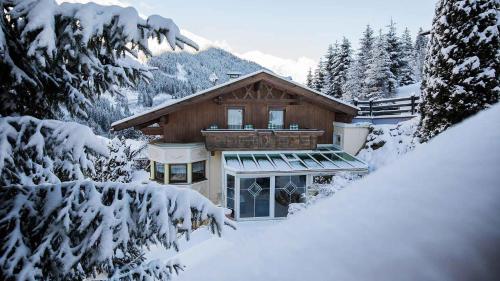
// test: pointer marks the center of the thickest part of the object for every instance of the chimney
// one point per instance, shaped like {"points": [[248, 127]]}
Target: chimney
{"points": [[233, 74]]}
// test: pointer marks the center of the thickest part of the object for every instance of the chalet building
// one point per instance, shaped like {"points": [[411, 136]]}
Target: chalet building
{"points": [[253, 144]]}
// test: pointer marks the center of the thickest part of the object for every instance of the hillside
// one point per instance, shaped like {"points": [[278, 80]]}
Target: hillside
{"points": [[178, 74], [183, 73], [430, 215]]}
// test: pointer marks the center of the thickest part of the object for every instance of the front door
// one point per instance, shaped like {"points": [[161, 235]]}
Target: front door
{"points": [[255, 195]]}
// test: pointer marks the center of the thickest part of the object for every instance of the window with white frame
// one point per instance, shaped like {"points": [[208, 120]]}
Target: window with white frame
{"points": [[288, 189], [276, 118], [235, 118]]}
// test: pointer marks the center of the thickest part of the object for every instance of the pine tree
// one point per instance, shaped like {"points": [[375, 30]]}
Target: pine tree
{"points": [[393, 47], [117, 166], [319, 76], [420, 52], [379, 77], [330, 68], [342, 63], [309, 79], [79, 229], [352, 88], [406, 76], [461, 69], [54, 56], [364, 56]]}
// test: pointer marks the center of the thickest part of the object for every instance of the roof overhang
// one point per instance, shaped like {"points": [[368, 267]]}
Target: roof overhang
{"points": [[148, 116]]}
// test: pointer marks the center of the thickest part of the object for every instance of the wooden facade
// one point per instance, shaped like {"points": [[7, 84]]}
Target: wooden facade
{"points": [[256, 95], [261, 139]]}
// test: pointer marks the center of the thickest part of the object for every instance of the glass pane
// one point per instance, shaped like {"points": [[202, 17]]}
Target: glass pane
{"points": [[309, 162], [230, 193], [159, 171], [235, 118], [289, 189], [321, 159], [230, 181], [264, 163], [353, 161], [299, 181], [277, 118], [279, 162], [178, 173], [232, 161], [337, 160], [297, 165], [248, 162], [254, 197], [198, 171]]}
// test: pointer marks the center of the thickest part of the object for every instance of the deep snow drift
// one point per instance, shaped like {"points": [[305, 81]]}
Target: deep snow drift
{"points": [[432, 215]]}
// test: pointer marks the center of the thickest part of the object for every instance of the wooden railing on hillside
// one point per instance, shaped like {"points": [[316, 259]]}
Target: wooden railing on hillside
{"points": [[393, 106]]}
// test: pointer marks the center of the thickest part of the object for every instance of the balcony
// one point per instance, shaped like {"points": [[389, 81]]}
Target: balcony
{"points": [[261, 139]]}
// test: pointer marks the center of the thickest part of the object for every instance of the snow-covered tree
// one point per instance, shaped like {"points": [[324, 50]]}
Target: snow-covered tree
{"points": [[406, 75], [319, 76], [366, 44], [330, 65], [379, 77], [461, 69], [78, 230], [353, 86], [420, 52], [63, 55], [393, 46], [34, 151], [341, 66], [309, 79], [117, 166]]}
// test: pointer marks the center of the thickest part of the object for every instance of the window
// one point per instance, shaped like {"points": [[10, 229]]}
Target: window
{"points": [[159, 171], [254, 197], [235, 118], [337, 140], [230, 193], [288, 189], [198, 171], [178, 173], [276, 118]]}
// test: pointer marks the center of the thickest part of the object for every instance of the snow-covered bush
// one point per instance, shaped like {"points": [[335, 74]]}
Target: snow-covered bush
{"points": [[34, 151], [76, 230], [319, 191], [385, 143], [54, 55], [117, 166]]}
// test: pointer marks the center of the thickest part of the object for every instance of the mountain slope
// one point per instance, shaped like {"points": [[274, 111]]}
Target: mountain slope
{"points": [[178, 74], [183, 73]]}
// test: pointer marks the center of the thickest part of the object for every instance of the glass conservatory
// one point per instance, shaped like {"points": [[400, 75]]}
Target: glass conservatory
{"points": [[262, 184]]}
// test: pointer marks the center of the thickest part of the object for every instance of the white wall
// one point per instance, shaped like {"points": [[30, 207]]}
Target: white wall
{"points": [[353, 136]]}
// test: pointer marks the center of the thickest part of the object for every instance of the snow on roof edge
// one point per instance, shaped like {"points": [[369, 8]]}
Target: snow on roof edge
{"points": [[199, 93]]}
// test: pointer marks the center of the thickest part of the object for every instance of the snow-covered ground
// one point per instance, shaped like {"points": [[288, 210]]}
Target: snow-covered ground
{"points": [[406, 91], [387, 142], [431, 215]]}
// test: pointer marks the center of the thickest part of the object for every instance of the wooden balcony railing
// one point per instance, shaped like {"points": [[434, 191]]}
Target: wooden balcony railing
{"points": [[261, 139]]}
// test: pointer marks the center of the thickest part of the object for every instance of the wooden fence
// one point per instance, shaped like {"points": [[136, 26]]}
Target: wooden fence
{"points": [[393, 106]]}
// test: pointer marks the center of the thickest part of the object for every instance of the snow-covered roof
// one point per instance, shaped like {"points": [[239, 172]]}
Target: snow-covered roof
{"points": [[206, 91], [324, 159]]}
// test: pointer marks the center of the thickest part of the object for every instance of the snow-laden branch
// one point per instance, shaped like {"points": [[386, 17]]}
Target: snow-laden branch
{"points": [[75, 230], [67, 54], [34, 151]]}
